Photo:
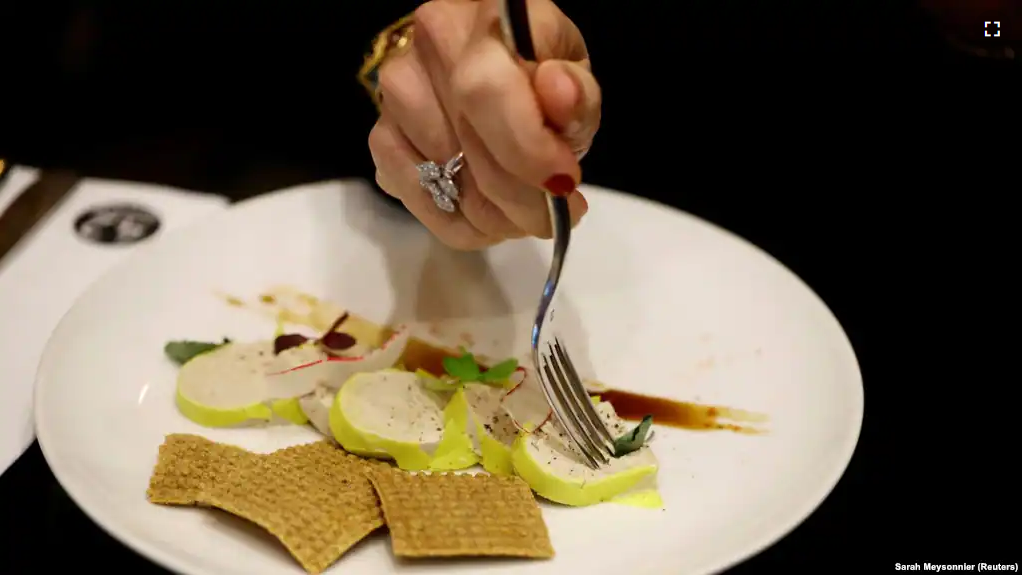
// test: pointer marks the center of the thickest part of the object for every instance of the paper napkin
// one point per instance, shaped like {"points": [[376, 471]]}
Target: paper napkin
{"points": [[98, 224]]}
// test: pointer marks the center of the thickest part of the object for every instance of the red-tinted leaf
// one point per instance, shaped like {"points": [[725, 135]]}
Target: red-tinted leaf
{"points": [[337, 341], [288, 341]]}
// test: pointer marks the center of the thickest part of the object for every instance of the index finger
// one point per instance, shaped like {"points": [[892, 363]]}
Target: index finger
{"points": [[494, 93]]}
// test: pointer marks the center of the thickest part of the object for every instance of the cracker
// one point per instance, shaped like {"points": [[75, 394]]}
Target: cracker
{"points": [[188, 466], [314, 498], [351, 462], [449, 515]]}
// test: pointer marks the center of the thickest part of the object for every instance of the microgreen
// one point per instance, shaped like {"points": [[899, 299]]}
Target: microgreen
{"points": [[634, 439], [181, 352], [465, 369], [500, 372]]}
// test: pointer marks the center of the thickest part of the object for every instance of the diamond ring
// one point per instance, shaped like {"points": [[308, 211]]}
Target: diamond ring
{"points": [[439, 181]]}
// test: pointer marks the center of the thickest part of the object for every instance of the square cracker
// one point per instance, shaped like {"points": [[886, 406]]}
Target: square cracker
{"points": [[302, 455], [314, 498], [188, 466], [449, 515]]}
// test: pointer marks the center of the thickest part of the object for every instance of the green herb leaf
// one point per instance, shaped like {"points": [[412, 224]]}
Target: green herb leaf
{"points": [[633, 440], [500, 372], [463, 368], [180, 352]]}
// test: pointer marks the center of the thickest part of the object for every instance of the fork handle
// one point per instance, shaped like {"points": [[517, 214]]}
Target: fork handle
{"points": [[516, 19], [561, 227]]}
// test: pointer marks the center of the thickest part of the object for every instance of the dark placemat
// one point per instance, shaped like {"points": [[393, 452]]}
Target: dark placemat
{"points": [[36, 510], [32, 205]]}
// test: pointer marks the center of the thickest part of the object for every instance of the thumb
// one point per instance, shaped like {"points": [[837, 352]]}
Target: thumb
{"points": [[570, 99]]}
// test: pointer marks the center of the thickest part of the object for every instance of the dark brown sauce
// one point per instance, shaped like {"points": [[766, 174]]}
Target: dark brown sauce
{"points": [[421, 355], [682, 415], [629, 406]]}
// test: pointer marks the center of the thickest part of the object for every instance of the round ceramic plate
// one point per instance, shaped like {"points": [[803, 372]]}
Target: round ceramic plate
{"points": [[655, 301]]}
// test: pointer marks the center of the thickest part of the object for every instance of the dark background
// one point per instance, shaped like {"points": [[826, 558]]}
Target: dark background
{"points": [[870, 146]]}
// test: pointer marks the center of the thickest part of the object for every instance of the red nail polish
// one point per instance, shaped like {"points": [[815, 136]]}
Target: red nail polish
{"points": [[560, 185]]}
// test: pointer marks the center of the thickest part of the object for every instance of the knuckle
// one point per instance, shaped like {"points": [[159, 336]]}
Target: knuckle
{"points": [[387, 185], [378, 141], [431, 18], [395, 79], [432, 139], [382, 151], [442, 29], [469, 82]]}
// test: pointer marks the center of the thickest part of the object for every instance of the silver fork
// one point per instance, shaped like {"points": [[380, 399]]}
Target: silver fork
{"points": [[559, 379]]}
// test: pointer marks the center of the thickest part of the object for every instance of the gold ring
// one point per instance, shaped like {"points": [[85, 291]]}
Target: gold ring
{"points": [[395, 39]]}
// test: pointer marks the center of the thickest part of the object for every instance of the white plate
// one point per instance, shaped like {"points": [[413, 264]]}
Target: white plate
{"points": [[657, 301]]}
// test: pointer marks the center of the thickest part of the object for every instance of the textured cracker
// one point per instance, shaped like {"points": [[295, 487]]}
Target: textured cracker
{"points": [[315, 498], [449, 515], [188, 466], [350, 463]]}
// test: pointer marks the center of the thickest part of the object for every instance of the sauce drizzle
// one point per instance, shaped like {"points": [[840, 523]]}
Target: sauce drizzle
{"points": [[628, 405], [421, 355], [682, 415]]}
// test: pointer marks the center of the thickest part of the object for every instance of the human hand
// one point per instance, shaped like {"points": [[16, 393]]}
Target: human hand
{"points": [[520, 125]]}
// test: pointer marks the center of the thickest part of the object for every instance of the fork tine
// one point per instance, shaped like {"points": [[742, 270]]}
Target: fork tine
{"points": [[567, 417], [582, 397], [577, 410], [564, 418], [594, 430]]}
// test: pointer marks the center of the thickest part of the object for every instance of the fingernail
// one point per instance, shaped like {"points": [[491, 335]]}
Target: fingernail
{"points": [[560, 185]]}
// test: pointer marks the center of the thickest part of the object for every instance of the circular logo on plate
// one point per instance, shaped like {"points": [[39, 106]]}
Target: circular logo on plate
{"points": [[117, 224]]}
